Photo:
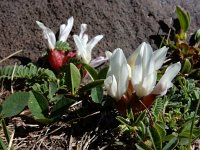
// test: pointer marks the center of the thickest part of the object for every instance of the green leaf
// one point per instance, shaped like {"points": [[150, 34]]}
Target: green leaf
{"points": [[123, 121], [38, 106], [53, 87], [140, 117], [171, 144], [73, 77], [97, 94], [197, 37], [64, 46], [160, 129], [155, 138], [183, 17], [102, 73], [187, 66], [15, 103], [91, 85], [61, 106], [5, 130], [2, 145], [143, 146], [91, 71], [157, 107]]}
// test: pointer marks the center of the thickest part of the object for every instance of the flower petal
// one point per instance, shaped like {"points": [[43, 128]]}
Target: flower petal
{"points": [[165, 82], [48, 34], [111, 86], [81, 52], [159, 57], [143, 73], [133, 57], [83, 29], [118, 67], [98, 61], [93, 42], [108, 54], [65, 29]]}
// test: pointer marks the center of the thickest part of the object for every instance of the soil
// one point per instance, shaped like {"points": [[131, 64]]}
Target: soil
{"points": [[124, 24]]}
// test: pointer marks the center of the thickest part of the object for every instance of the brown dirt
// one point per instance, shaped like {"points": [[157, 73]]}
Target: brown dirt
{"points": [[125, 24]]}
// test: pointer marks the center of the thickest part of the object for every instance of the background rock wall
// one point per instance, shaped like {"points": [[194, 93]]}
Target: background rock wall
{"points": [[124, 23]]}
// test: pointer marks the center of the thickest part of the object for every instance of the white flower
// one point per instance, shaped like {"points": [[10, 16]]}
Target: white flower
{"points": [[116, 81], [159, 55], [65, 29], [145, 64], [144, 74], [63, 35], [141, 70], [100, 60], [165, 82], [84, 48]]}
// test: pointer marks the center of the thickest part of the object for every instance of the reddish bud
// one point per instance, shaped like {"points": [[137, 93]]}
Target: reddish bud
{"points": [[58, 58]]}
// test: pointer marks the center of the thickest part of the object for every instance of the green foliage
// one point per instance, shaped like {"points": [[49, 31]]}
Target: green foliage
{"points": [[183, 49], [38, 106], [187, 66], [197, 36], [171, 144], [102, 73], [91, 71], [7, 136], [26, 72], [184, 18], [64, 46], [172, 122], [91, 85], [155, 137], [14, 104], [97, 94], [2, 145], [157, 107], [73, 77]]}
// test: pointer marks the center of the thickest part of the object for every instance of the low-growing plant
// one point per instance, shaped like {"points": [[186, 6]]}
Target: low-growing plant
{"points": [[183, 47], [151, 118], [48, 92]]}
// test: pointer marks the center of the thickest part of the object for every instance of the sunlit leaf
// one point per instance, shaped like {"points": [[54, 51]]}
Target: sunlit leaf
{"points": [[91, 71], [183, 17], [187, 66], [73, 77]]}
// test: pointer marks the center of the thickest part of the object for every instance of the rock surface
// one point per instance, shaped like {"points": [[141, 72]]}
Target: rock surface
{"points": [[124, 24]]}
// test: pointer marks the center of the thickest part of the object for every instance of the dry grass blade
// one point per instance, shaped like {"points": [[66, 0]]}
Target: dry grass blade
{"points": [[11, 141], [11, 55], [13, 73]]}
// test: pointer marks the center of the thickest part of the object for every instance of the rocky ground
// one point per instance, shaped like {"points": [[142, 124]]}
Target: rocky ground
{"points": [[124, 24]]}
